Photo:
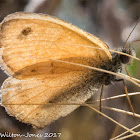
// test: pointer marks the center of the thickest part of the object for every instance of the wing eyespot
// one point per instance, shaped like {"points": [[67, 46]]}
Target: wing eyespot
{"points": [[33, 70], [26, 31]]}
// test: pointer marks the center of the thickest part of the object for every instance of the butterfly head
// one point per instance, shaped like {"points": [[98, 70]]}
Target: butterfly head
{"points": [[115, 65], [128, 50]]}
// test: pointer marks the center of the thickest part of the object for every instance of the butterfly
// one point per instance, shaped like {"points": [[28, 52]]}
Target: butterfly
{"points": [[52, 61]]}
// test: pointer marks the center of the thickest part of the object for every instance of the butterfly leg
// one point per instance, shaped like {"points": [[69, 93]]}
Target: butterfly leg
{"points": [[127, 71], [101, 95], [126, 92]]}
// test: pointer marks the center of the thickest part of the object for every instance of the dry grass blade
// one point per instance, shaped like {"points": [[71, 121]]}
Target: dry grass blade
{"points": [[121, 111], [133, 42], [110, 108], [135, 133], [131, 79], [128, 136], [114, 97], [114, 109], [84, 104], [125, 132]]}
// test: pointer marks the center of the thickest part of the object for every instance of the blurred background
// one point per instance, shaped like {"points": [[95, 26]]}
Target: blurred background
{"points": [[111, 21]]}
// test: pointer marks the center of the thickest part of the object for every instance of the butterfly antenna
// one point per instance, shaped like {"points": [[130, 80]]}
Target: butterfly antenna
{"points": [[124, 46]]}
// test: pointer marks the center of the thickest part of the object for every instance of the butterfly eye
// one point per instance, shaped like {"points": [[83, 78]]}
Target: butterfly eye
{"points": [[126, 59]]}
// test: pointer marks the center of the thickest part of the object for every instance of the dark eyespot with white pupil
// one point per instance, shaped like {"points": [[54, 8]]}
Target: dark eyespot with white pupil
{"points": [[126, 59]]}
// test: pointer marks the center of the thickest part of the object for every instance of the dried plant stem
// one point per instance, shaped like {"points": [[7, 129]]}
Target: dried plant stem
{"points": [[125, 132], [131, 131]]}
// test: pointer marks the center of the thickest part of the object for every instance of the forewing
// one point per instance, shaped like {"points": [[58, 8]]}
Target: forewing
{"points": [[28, 39]]}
